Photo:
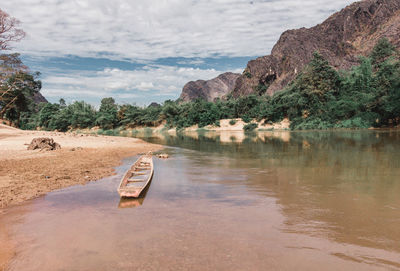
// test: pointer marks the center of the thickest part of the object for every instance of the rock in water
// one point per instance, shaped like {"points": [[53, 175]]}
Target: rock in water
{"points": [[163, 156], [44, 143]]}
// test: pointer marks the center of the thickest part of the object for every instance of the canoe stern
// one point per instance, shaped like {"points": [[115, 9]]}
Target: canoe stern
{"points": [[129, 193]]}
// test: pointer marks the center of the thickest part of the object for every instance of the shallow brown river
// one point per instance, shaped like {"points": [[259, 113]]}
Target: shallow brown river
{"points": [[272, 201]]}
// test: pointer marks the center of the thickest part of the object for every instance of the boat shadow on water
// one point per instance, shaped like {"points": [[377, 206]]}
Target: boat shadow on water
{"points": [[126, 202]]}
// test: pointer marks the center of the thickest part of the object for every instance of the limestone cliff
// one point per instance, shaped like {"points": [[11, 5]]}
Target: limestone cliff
{"points": [[39, 98]]}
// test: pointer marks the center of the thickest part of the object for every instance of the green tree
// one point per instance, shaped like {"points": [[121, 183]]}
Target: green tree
{"points": [[107, 116], [61, 121], [62, 103], [309, 94], [382, 50], [82, 115], [46, 114], [16, 95], [387, 85]]}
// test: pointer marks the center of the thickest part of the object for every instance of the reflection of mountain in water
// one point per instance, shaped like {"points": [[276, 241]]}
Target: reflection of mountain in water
{"points": [[344, 184]]}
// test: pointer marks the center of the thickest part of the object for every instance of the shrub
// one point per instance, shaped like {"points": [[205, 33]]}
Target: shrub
{"points": [[250, 127], [356, 122], [232, 122], [109, 132], [310, 123], [260, 89], [246, 118], [247, 74]]}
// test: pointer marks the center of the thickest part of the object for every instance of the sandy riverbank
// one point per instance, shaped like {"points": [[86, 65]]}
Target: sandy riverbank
{"points": [[225, 125], [27, 174], [237, 125]]}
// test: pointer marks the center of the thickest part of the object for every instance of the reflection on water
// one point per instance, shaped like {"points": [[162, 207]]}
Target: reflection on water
{"points": [[134, 202], [130, 202], [344, 185], [286, 201]]}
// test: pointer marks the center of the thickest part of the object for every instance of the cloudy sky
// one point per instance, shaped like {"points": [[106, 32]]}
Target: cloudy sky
{"points": [[139, 51]]}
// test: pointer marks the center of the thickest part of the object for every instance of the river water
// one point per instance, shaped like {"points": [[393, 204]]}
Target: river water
{"points": [[266, 201]]}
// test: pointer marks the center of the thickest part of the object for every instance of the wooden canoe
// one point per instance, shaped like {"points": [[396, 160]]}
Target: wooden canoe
{"points": [[137, 178]]}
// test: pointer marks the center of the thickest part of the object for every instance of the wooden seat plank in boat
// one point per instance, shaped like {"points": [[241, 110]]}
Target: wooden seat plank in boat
{"points": [[135, 173], [136, 180], [130, 185]]}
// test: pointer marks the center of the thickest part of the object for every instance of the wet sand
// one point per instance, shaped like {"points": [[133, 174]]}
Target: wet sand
{"points": [[7, 250], [25, 175]]}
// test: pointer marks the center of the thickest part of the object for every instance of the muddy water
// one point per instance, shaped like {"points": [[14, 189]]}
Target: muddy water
{"points": [[272, 201]]}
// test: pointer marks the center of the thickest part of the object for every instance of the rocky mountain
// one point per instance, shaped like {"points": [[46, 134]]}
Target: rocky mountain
{"points": [[39, 98], [154, 104], [340, 39], [210, 89]]}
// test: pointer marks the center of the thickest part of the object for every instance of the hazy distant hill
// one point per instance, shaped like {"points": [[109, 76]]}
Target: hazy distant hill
{"points": [[211, 89]]}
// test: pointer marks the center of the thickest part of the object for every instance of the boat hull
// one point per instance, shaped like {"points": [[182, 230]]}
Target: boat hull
{"points": [[143, 169]]}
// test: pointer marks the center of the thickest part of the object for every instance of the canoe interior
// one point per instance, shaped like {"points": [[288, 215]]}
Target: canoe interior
{"points": [[137, 178]]}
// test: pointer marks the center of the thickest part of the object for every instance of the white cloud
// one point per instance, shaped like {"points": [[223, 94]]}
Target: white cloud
{"points": [[144, 86], [154, 29], [124, 84], [191, 62]]}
